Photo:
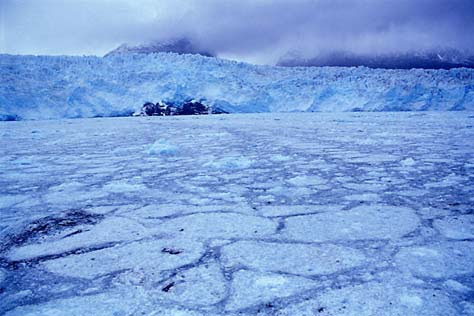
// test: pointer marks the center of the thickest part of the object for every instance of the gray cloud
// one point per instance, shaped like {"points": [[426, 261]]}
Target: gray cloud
{"points": [[251, 30]]}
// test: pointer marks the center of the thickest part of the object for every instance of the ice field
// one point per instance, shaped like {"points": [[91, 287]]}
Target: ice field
{"points": [[243, 214]]}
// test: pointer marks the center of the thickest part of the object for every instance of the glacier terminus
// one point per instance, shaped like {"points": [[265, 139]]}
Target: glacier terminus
{"points": [[52, 87]]}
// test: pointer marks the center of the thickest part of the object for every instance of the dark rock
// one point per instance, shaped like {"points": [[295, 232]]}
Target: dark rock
{"points": [[150, 109], [171, 110], [9, 117], [168, 287], [171, 251], [189, 107], [193, 108], [216, 110]]}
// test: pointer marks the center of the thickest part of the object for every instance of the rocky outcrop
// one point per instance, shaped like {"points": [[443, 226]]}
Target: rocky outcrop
{"points": [[191, 107], [150, 109]]}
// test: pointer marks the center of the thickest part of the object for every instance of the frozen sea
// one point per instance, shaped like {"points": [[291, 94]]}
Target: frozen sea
{"points": [[245, 214]]}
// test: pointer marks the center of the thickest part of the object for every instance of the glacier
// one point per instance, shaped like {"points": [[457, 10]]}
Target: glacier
{"points": [[53, 87]]}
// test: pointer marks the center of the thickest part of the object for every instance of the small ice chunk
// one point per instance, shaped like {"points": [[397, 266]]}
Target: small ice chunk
{"points": [[408, 162], [306, 181], [456, 227], [411, 300], [271, 281], [249, 288], [203, 285], [145, 256], [389, 297], [468, 308], [362, 222], [230, 163], [448, 181], [284, 210], [122, 187], [218, 225], [441, 260], [279, 158], [162, 148], [301, 259], [67, 187], [456, 286], [366, 197]]}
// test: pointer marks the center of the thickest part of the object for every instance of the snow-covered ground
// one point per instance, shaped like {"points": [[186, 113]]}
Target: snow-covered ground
{"points": [[48, 87], [249, 214]]}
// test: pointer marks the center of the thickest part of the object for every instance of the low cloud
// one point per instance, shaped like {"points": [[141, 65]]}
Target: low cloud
{"points": [[251, 30]]}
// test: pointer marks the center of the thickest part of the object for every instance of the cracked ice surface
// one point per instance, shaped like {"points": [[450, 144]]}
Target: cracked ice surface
{"points": [[361, 222], [262, 214]]}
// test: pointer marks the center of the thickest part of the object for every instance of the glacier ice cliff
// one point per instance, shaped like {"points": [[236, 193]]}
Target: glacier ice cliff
{"points": [[50, 87]]}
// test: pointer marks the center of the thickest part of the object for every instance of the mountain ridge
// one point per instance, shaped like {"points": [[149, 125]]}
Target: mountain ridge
{"points": [[178, 46], [433, 59]]}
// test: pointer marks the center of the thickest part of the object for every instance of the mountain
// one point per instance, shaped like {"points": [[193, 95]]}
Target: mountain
{"points": [[435, 59], [179, 46]]}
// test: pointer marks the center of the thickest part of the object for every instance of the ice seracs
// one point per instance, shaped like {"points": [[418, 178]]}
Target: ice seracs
{"points": [[119, 85]]}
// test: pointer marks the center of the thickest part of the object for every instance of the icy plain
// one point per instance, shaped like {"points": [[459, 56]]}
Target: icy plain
{"points": [[246, 214]]}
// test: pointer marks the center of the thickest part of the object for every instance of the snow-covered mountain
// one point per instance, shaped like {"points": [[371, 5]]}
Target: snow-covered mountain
{"points": [[179, 46], [45, 87], [434, 59]]}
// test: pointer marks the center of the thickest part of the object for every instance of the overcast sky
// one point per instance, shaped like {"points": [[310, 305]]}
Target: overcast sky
{"points": [[257, 31]]}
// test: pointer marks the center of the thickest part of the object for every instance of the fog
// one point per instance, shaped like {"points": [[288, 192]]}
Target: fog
{"points": [[256, 31]]}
